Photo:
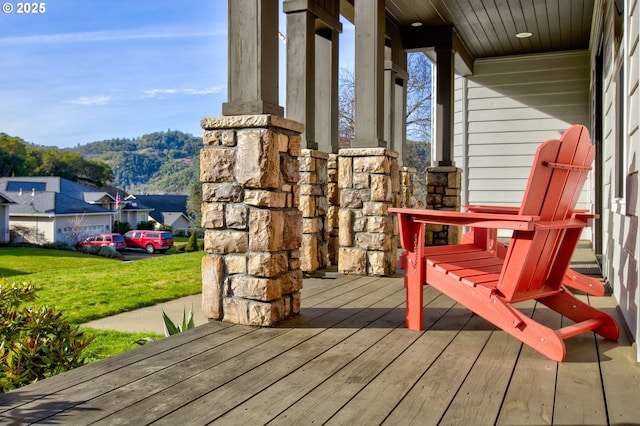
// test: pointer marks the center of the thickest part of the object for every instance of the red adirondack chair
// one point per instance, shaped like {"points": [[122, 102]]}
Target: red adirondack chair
{"points": [[490, 278]]}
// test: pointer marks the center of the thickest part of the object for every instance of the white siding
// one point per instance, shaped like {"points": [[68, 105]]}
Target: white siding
{"points": [[620, 227], [511, 105], [40, 229]]}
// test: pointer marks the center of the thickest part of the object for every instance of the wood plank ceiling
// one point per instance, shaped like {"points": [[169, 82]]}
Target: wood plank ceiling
{"points": [[488, 27]]}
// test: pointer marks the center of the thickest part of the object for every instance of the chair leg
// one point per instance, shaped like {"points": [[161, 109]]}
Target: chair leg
{"points": [[570, 306], [493, 308], [414, 313]]}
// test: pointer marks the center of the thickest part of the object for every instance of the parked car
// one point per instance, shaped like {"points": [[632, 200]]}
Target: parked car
{"points": [[151, 241], [115, 241]]}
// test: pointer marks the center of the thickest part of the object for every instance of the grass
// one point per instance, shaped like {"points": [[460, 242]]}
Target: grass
{"points": [[85, 287], [26, 260], [107, 343], [87, 290]]}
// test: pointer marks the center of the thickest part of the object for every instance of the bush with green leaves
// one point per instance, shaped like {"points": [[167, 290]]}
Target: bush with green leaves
{"points": [[121, 227], [36, 342], [103, 251], [192, 244]]}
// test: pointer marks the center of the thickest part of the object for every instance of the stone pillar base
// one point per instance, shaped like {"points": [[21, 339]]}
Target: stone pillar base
{"points": [[313, 206], [369, 181], [333, 199], [253, 229], [407, 186], [443, 193]]}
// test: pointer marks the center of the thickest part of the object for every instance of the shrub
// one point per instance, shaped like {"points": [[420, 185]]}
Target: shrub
{"points": [[105, 251], [192, 244], [59, 245], [108, 252], [145, 225], [121, 227], [36, 342]]}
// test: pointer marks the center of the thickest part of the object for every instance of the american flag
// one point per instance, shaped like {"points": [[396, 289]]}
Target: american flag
{"points": [[117, 201]]}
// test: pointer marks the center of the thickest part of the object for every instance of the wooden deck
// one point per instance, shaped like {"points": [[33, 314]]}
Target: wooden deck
{"points": [[347, 359]]}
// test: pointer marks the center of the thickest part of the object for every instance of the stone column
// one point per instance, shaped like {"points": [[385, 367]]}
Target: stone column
{"points": [[395, 98], [301, 56], [407, 186], [443, 193], [252, 66], [444, 114], [333, 199], [369, 74], [253, 228], [369, 184], [326, 107], [313, 206]]}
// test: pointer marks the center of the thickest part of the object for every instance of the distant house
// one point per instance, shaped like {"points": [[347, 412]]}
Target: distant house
{"points": [[166, 210], [54, 209], [5, 203], [130, 211]]}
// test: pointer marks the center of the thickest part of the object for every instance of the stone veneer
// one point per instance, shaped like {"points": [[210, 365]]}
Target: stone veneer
{"points": [[369, 183], [407, 186], [443, 193], [313, 206], [253, 228], [333, 200]]}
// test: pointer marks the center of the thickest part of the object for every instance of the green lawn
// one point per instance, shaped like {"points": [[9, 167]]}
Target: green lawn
{"points": [[27, 260], [85, 287]]}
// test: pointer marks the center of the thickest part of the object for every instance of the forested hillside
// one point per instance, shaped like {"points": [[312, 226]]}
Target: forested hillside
{"points": [[155, 163], [20, 158], [160, 162]]}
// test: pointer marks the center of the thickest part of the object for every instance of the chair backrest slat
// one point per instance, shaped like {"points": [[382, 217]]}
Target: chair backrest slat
{"points": [[557, 176]]}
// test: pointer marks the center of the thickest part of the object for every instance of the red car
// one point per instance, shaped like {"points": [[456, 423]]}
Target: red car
{"points": [[115, 241], [151, 241]]}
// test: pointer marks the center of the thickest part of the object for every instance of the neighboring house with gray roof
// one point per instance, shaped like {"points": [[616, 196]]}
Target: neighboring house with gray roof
{"points": [[166, 210], [51, 209], [5, 202]]}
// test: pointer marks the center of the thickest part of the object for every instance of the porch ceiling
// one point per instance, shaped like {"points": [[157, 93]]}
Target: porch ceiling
{"points": [[488, 27]]}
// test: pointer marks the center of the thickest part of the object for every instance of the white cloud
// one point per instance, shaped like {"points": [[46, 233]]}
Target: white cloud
{"points": [[94, 100], [159, 92], [94, 36]]}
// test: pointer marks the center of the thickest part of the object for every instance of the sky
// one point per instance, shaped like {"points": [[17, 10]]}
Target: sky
{"points": [[82, 71]]}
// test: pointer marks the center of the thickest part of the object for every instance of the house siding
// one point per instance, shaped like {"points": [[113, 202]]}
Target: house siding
{"points": [[620, 159], [4, 224], [510, 106]]}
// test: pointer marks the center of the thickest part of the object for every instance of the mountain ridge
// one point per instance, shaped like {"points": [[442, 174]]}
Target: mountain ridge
{"points": [[158, 162]]}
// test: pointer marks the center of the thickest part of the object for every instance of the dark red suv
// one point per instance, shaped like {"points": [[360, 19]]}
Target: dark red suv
{"points": [[151, 241], [115, 241]]}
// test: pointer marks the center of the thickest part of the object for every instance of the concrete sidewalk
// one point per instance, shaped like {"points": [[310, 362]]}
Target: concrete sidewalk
{"points": [[149, 319]]}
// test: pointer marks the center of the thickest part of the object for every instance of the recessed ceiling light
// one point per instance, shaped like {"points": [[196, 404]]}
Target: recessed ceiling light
{"points": [[416, 24], [524, 35]]}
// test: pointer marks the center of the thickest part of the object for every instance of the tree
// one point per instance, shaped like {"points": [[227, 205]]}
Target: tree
{"points": [[346, 108], [77, 230], [418, 114], [194, 207], [419, 94]]}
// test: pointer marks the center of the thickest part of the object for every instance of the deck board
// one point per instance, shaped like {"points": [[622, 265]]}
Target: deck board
{"points": [[531, 391], [347, 359]]}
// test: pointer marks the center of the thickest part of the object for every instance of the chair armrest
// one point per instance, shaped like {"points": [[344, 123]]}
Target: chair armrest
{"points": [[560, 224], [474, 208], [480, 220]]}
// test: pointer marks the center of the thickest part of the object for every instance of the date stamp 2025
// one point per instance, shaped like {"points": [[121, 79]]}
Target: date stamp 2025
{"points": [[24, 8]]}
